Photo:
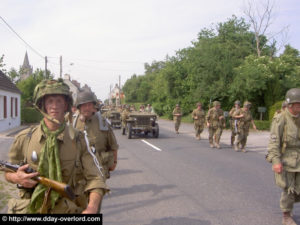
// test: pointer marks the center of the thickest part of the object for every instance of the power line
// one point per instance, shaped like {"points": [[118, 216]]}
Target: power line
{"points": [[21, 38]]}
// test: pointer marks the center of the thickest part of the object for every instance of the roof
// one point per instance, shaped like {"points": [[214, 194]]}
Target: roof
{"points": [[7, 85]]}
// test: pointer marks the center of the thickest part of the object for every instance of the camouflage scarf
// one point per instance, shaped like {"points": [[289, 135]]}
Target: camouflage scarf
{"points": [[49, 166]]}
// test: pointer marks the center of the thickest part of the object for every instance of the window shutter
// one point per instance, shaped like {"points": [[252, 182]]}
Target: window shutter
{"points": [[4, 106], [16, 107]]}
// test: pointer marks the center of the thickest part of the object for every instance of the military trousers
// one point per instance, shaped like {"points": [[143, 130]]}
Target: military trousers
{"points": [[198, 129], [242, 137], [214, 132], [287, 199], [177, 124]]}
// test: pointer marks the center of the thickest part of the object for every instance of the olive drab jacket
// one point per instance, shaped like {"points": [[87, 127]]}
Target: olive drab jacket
{"points": [[76, 167], [244, 122], [101, 137], [234, 122], [284, 144], [199, 115], [176, 111], [212, 118]]}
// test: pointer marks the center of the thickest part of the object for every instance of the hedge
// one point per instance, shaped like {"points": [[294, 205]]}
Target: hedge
{"points": [[30, 115]]}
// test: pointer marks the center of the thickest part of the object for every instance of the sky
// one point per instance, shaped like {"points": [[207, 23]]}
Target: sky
{"points": [[102, 40]]}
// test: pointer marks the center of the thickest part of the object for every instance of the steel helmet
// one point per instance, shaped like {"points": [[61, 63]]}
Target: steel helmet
{"points": [[293, 96], [85, 97], [51, 87]]}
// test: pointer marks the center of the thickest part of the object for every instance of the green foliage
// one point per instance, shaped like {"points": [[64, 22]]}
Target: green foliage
{"points": [[273, 109], [27, 86], [222, 65], [262, 124], [30, 115]]}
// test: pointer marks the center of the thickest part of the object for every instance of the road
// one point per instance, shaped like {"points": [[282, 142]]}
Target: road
{"points": [[178, 180]]}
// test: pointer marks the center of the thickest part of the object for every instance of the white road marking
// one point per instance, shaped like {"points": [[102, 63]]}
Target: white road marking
{"points": [[153, 146]]}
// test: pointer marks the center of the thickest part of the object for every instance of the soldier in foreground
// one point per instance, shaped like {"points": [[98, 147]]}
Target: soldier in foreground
{"points": [[245, 120], [177, 117], [198, 116], [284, 152], [234, 121], [56, 151], [215, 123], [99, 133]]}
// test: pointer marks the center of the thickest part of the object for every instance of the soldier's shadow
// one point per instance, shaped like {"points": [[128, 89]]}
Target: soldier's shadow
{"points": [[155, 189]]}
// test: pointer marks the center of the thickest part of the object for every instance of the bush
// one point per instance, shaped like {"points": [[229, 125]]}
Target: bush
{"points": [[273, 109], [30, 115], [262, 124]]}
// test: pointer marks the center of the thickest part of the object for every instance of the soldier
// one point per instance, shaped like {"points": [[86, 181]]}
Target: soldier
{"points": [[149, 109], [215, 123], [198, 116], [284, 152], [56, 151], [234, 122], [99, 133], [124, 117], [245, 119], [132, 108], [177, 117], [142, 108]]}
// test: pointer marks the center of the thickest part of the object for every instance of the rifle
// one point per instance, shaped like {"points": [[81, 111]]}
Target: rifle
{"points": [[61, 188]]}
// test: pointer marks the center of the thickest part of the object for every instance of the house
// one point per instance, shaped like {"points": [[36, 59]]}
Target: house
{"points": [[10, 104]]}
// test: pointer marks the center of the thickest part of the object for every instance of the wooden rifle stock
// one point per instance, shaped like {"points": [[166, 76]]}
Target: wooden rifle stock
{"points": [[63, 189]]}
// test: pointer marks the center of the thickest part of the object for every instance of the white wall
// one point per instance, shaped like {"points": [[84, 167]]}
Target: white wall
{"points": [[10, 121]]}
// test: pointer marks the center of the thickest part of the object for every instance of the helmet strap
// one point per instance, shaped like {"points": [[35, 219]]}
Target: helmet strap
{"points": [[47, 116]]}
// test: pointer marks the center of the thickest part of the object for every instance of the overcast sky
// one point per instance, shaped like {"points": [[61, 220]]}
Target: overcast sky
{"points": [[100, 40]]}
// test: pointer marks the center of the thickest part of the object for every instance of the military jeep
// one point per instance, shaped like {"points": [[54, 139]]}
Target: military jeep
{"points": [[115, 119], [142, 123]]}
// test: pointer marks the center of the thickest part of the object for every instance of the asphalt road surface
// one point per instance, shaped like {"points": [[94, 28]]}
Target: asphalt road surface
{"points": [[178, 180]]}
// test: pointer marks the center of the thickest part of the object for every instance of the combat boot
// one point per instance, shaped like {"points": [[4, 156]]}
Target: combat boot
{"points": [[287, 219]]}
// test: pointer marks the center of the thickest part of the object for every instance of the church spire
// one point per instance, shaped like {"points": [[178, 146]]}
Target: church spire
{"points": [[26, 69]]}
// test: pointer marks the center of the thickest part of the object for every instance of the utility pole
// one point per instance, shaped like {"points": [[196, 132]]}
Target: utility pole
{"points": [[60, 62], [46, 61]]}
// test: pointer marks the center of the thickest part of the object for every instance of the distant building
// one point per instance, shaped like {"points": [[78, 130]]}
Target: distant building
{"points": [[10, 104], [115, 95], [73, 85], [26, 69]]}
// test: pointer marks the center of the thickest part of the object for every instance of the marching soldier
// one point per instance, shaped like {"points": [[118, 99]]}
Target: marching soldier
{"points": [[233, 121], [124, 117], [245, 120], [198, 116], [215, 123], [56, 151], [284, 153], [99, 133], [177, 117]]}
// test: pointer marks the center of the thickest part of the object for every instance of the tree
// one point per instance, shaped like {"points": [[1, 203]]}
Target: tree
{"points": [[2, 65], [261, 18]]}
